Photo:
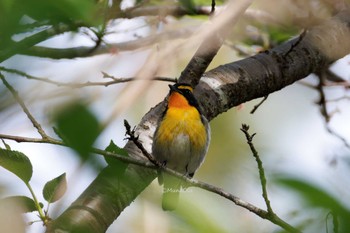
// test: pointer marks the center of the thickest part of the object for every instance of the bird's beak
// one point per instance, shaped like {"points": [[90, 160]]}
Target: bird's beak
{"points": [[172, 88]]}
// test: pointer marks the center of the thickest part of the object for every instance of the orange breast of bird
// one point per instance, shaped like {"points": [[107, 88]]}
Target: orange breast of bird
{"points": [[182, 118], [182, 136]]}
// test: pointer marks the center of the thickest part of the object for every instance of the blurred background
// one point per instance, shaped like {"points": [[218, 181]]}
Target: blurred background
{"points": [[293, 136]]}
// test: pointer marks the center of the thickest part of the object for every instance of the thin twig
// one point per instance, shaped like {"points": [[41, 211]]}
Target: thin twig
{"points": [[176, 11], [83, 84], [245, 129], [324, 110], [113, 48], [335, 134], [49, 140], [256, 210], [258, 105], [213, 4], [24, 107], [322, 102], [130, 133], [31, 140], [301, 37]]}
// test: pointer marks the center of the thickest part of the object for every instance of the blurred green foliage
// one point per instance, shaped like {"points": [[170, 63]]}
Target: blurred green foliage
{"points": [[27, 203], [119, 166], [192, 218], [78, 127], [20, 16], [316, 197]]}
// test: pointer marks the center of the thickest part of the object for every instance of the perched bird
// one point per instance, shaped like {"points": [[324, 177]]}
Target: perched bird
{"points": [[180, 141]]}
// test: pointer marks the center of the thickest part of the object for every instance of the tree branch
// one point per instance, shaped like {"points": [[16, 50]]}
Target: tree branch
{"points": [[83, 84], [257, 76], [89, 51], [176, 11], [245, 129], [212, 42], [30, 41], [260, 212], [35, 123]]}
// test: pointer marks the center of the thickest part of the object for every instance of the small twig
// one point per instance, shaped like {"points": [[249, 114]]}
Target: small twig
{"points": [[324, 110], [5, 144], [335, 134], [85, 51], [126, 159], [24, 107], [301, 37], [344, 84], [258, 105], [31, 140], [254, 209], [307, 84], [322, 102], [83, 84], [245, 129], [213, 4], [120, 80], [176, 11], [130, 133]]}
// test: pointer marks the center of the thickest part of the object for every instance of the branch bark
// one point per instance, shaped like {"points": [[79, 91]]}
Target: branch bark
{"points": [[218, 90]]}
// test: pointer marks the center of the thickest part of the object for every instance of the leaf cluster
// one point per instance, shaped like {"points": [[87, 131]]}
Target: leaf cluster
{"points": [[315, 197], [21, 16], [79, 128], [20, 165]]}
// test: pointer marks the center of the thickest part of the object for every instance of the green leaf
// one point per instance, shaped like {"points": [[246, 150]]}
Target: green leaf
{"points": [[78, 128], [26, 202], [17, 163], [119, 165], [312, 194], [317, 197], [65, 11], [55, 188], [188, 5]]}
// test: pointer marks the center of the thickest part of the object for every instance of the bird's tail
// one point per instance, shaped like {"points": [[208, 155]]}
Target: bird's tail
{"points": [[171, 192]]}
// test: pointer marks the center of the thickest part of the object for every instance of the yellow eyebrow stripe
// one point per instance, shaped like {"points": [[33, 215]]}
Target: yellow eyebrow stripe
{"points": [[186, 87]]}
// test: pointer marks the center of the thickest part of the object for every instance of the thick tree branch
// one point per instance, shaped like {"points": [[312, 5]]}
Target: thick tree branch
{"points": [[219, 90], [232, 84]]}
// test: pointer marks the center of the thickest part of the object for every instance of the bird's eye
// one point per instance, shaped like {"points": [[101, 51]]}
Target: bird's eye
{"points": [[186, 91]]}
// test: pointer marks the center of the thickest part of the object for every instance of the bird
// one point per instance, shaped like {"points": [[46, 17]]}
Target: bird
{"points": [[180, 141]]}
